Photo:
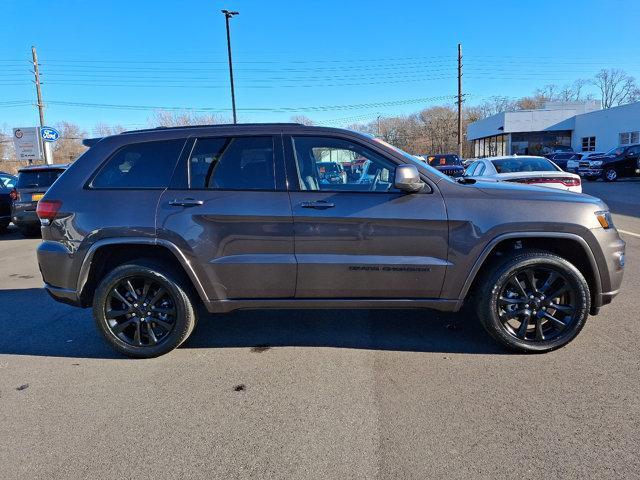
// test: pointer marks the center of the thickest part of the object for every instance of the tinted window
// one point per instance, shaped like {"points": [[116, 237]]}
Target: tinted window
{"points": [[356, 168], [524, 165], [241, 163], [140, 165], [37, 178]]}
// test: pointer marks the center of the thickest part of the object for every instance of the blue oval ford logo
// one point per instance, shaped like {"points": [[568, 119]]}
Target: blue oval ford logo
{"points": [[49, 134]]}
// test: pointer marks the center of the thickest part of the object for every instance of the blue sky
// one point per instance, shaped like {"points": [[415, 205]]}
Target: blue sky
{"points": [[331, 60]]}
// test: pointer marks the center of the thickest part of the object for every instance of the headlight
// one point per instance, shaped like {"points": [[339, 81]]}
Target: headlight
{"points": [[596, 163], [604, 218]]}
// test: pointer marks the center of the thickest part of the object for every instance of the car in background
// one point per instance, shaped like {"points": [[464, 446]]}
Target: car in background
{"points": [[574, 163], [5, 207], [548, 151], [8, 180], [331, 172], [617, 162], [33, 182], [449, 164], [562, 159], [530, 170]]}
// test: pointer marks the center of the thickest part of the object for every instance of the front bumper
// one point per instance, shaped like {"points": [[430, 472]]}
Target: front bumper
{"points": [[590, 172]]}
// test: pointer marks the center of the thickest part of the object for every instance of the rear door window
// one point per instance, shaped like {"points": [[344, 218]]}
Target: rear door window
{"points": [[38, 178], [232, 163], [140, 165]]}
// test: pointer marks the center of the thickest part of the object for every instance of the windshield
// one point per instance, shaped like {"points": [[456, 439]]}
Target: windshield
{"points": [[523, 165], [439, 160], [615, 151], [37, 178]]}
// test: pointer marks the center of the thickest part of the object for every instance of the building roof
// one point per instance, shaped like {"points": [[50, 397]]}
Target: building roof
{"points": [[554, 116]]}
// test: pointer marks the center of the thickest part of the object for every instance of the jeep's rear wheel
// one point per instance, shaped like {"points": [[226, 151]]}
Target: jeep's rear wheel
{"points": [[142, 310], [534, 301]]}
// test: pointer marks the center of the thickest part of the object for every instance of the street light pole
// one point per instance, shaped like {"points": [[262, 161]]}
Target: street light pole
{"points": [[227, 16]]}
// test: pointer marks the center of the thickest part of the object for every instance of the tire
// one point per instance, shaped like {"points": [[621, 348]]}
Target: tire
{"points": [[4, 226], [591, 178], [499, 300], [133, 333], [610, 175]]}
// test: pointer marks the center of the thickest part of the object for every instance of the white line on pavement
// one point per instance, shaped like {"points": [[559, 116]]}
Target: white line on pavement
{"points": [[629, 233]]}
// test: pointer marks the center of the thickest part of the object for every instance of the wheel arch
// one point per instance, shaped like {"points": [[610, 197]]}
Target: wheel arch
{"points": [[562, 244], [106, 254]]}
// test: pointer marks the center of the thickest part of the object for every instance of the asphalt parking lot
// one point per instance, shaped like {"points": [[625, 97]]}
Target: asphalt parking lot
{"points": [[318, 394]]}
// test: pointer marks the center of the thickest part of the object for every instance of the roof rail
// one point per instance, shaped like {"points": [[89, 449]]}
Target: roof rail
{"points": [[218, 125]]}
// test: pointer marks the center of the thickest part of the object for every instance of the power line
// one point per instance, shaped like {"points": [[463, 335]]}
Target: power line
{"points": [[316, 108]]}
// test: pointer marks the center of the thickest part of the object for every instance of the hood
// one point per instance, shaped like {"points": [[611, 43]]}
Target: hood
{"points": [[598, 157]]}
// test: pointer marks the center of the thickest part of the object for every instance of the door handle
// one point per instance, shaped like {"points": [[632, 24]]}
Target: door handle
{"points": [[318, 205], [186, 202]]}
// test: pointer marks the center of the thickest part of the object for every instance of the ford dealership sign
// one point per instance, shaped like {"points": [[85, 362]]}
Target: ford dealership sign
{"points": [[49, 134]]}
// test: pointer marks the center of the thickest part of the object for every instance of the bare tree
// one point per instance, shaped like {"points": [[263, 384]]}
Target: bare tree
{"points": [[69, 145], [164, 118], [104, 130], [304, 120], [616, 87]]}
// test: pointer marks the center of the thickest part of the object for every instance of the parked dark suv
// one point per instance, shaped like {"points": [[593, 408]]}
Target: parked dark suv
{"points": [[30, 187], [449, 164], [147, 225], [617, 162]]}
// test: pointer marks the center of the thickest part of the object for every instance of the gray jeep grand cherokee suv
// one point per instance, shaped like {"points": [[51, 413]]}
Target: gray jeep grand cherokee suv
{"points": [[148, 225]]}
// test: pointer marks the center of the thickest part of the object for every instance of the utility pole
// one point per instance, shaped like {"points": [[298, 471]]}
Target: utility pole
{"points": [[227, 16], [460, 100], [36, 73]]}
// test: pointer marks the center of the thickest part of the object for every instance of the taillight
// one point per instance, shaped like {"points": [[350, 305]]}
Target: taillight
{"points": [[566, 181], [14, 195], [48, 209], [571, 182]]}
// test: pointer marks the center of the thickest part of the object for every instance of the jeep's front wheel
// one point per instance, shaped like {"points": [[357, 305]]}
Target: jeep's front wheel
{"points": [[534, 301], [142, 310]]}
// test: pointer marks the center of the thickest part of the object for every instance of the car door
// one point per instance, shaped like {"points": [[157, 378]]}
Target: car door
{"points": [[630, 161], [362, 238], [229, 211]]}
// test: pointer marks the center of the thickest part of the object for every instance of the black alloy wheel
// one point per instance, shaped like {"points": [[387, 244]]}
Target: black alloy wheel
{"points": [[537, 304], [140, 311], [145, 309], [533, 301]]}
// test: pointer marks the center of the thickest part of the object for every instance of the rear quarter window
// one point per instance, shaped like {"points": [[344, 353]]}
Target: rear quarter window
{"points": [[140, 165]]}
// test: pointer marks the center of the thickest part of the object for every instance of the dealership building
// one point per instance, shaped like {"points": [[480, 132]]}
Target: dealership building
{"points": [[583, 126]]}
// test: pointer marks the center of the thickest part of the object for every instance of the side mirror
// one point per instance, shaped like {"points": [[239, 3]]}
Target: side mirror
{"points": [[407, 179]]}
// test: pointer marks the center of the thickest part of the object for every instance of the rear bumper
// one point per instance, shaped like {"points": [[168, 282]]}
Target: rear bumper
{"points": [[63, 295], [56, 267], [24, 214]]}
